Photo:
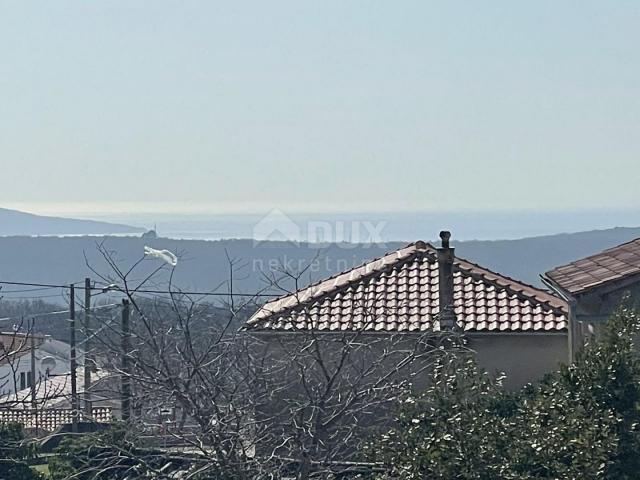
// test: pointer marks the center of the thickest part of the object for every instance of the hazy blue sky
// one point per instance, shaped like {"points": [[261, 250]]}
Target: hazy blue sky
{"points": [[332, 105]]}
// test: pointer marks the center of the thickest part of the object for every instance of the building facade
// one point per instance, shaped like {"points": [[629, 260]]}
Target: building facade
{"points": [[595, 286], [512, 327], [51, 357]]}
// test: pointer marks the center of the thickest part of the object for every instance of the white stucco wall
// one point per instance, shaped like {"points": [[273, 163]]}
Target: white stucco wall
{"points": [[50, 349], [524, 358]]}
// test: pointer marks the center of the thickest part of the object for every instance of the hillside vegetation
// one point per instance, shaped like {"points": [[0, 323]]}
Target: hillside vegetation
{"points": [[204, 265]]}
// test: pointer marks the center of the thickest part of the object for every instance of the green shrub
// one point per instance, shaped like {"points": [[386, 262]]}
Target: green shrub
{"points": [[14, 454], [580, 422]]}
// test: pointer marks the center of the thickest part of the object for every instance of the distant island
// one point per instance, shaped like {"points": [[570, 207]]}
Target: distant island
{"points": [[14, 222]]}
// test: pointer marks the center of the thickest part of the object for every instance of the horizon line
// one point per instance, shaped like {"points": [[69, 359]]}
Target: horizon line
{"points": [[124, 209]]}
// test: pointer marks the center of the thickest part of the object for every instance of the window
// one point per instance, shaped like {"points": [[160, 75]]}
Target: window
{"points": [[25, 380]]}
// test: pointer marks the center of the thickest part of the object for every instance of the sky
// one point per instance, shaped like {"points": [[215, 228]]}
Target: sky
{"points": [[205, 106]]}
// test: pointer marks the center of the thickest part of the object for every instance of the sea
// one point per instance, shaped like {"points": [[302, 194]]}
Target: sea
{"points": [[374, 227]]}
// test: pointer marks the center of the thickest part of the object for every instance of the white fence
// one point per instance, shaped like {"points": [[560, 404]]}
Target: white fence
{"points": [[49, 419]]}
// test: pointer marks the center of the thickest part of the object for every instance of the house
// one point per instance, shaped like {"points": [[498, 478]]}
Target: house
{"points": [[51, 357], [54, 391], [595, 286], [46, 406], [513, 327]]}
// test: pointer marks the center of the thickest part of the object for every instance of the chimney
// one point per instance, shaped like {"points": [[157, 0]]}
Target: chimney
{"points": [[447, 314]]}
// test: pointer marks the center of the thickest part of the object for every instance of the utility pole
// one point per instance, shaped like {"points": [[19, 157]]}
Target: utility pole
{"points": [[32, 374], [88, 354], [32, 380], [126, 369], [74, 363]]}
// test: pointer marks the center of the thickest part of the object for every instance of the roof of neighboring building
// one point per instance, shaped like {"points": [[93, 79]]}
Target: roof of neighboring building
{"points": [[16, 344], [52, 390], [399, 292], [610, 265]]}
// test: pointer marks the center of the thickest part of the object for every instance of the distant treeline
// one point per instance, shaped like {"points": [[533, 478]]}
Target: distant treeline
{"points": [[205, 265], [18, 315]]}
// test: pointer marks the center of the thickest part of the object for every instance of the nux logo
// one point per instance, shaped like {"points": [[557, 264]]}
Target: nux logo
{"points": [[276, 226]]}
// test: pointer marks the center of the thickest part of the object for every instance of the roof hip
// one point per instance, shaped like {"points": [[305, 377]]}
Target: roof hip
{"points": [[401, 287]]}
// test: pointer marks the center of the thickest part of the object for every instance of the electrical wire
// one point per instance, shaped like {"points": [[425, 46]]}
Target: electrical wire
{"points": [[165, 292], [30, 297], [26, 290], [57, 312]]}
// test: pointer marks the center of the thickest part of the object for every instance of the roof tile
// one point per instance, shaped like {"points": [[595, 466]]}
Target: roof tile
{"points": [[610, 265], [400, 292]]}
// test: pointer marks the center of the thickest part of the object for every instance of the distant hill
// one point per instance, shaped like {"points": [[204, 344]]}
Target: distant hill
{"points": [[203, 265], [14, 222]]}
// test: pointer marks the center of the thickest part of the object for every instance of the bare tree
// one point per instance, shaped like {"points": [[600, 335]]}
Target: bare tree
{"points": [[20, 385], [223, 402], [332, 386], [193, 375]]}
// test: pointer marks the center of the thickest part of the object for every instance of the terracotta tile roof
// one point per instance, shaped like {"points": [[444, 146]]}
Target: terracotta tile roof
{"points": [[399, 292], [616, 263]]}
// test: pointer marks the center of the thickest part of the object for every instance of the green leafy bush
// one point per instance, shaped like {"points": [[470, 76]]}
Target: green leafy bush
{"points": [[580, 422]]}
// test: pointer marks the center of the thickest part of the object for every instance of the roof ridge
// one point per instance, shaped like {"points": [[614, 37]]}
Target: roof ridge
{"points": [[418, 246], [284, 295], [593, 255], [617, 246], [584, 274], [307, 294], [519, 282], [335, 275]]}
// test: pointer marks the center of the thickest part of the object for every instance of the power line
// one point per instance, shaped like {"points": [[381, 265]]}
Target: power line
{"points": [[28, 297], [165, 292], [57, 312], [26, 290]]}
